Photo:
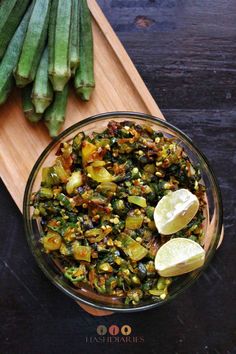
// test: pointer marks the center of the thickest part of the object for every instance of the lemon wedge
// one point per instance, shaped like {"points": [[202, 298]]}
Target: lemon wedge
{"points": [[179, 256], [175, 210]]}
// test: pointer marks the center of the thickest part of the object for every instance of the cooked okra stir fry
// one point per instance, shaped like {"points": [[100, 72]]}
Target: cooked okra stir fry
{"points": [[96, 206]]}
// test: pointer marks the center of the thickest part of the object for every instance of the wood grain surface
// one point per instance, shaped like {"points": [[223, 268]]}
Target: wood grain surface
{"points": [[118, 87], [184, 49], [185, 52]]}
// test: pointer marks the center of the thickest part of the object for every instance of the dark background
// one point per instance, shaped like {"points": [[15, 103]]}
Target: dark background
{"points": [[185, 50]]}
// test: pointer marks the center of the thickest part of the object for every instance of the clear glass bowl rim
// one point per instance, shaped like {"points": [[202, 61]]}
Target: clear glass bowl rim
{"points": [[82, 124]]}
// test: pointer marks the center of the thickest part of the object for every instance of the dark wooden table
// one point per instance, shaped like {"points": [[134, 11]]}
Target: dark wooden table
{"points": [[185, 51]]}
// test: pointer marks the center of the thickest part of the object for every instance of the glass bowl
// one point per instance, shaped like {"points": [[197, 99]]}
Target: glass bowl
{"points": [[32, 227]]}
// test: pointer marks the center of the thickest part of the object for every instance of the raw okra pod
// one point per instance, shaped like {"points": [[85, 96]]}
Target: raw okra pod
{"points": [[59, 43], [84, 77], [34, 43], [55, 114], [42, 94], [28, 106]]}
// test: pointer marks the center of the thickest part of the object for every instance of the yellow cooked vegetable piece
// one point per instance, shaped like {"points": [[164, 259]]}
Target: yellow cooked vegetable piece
{"points": [[87, 150], [107, 188], [140, 201], [99, 174], [60, 171], [134, 222], [132, 248], [75, 181], [52, 241], [98, 163], [81, 253]]}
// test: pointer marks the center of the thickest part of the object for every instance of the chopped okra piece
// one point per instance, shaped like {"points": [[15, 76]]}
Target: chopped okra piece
{"points": [[76, 274]]}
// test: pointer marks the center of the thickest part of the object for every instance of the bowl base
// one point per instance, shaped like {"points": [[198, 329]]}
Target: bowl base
{"points": [[94, 312]]}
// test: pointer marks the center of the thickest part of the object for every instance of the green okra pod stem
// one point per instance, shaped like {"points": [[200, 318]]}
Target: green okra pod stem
{"points": [[42, 94], [84, 77], [28, 106], [55, 114]]}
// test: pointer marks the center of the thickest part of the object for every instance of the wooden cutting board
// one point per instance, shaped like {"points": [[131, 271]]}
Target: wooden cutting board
{"points": [[118, 87]]}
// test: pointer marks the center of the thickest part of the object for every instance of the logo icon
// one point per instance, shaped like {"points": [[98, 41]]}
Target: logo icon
{"points": [[113, 330], [101, 330], [126, 330]]}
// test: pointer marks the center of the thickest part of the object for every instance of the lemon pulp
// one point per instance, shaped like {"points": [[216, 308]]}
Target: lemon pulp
{"points": [[179, 256], [175, 210]]}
